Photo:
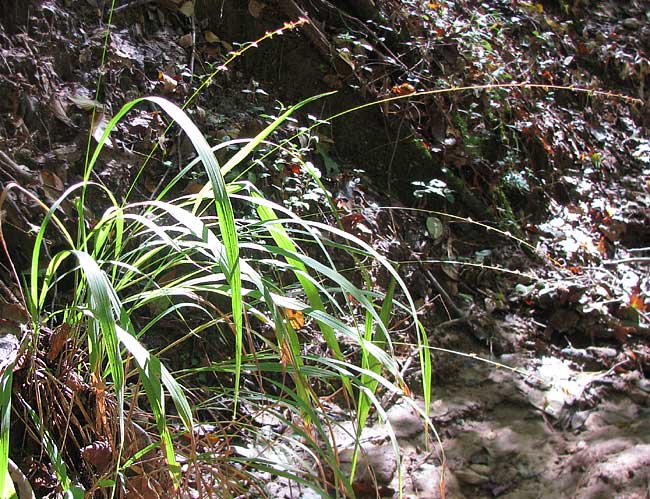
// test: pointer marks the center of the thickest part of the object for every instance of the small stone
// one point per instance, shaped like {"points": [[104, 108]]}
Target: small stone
{"points": [[631, 23], [426, 483], [471, 477], [644, 384], [379, 458], [481, 469], [405, 421]]}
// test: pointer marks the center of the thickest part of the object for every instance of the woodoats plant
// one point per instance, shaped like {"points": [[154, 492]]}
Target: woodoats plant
{"points": [[267, 281]]}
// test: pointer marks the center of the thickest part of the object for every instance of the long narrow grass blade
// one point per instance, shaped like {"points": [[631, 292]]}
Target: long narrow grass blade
{"points": [[6, 485], [279, 234], [36, 299], [372, 364], [225, 215], [221, 203], [153, 375], [257, 140], [102, 330], [58, 464]]}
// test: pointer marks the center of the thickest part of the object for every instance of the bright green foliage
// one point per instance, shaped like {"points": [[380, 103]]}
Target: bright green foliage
{"points": [[124, 260]]}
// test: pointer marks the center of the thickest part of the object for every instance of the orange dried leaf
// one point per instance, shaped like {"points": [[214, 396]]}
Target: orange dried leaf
{"points": [[296, 318], [637, 301], [574, 269], [101, 420], [58, 340], [169, 84], [351, 220], [285, 354], [403, 89]]}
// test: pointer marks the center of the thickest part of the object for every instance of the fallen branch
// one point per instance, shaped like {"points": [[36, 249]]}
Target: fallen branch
{"points": [[641, 259]]}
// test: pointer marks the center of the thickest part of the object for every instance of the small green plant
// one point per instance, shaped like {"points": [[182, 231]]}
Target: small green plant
{"points": [[124, 258], [178, 257]]}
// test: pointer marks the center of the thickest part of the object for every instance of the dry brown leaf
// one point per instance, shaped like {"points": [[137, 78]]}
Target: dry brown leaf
{"points": [[286, 356], [84, 103], [98, 125], [187, 8], [14, 312], [59, 110], [99, 454], [169, 84], [210, 37], [622, 332], [186, 41], [51, 180], [193, 188], [73, 379], [255, 8], [101, 419], [58, 340]]}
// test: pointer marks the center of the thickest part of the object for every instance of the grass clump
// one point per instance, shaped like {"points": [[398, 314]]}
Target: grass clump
{"points": [[93, 387]]}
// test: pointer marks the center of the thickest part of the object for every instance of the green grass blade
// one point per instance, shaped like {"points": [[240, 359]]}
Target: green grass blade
{"points": [[279, 234], [153, 375], [225, 215], [371, 364], [102, 330], [257, 140], [6, 485], [221, 202], [425, 368]]}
